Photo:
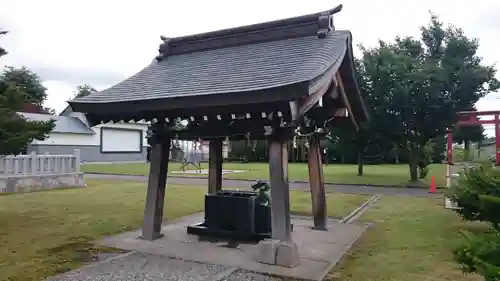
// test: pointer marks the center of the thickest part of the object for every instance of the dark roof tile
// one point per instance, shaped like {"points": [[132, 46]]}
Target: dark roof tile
{"points": [[229, 70]]}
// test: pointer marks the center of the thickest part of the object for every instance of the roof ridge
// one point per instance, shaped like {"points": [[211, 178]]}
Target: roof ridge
{"points": [[319, 24]]}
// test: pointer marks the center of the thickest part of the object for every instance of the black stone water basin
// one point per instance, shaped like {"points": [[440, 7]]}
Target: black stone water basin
{"points": [[233, 214]]}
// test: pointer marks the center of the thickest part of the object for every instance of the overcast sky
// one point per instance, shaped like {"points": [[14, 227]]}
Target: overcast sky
{"points": [[100, 43]]}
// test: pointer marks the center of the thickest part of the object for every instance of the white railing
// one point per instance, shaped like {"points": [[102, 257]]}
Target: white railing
{"points": [[33, 164]]}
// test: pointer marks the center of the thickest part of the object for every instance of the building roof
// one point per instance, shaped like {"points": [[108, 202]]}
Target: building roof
{"points": [[229, 70], [230, 63], [63, 124]]}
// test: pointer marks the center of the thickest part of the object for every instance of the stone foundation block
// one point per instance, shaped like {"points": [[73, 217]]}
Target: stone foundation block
{"points": [[266, 251], [287, 254], [276, 252]]}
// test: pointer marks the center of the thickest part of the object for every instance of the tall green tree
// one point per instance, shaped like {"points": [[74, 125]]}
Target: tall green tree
{"points": [[419, 85], [467, 134], [16, 133], [28, 82], [84, 90]]}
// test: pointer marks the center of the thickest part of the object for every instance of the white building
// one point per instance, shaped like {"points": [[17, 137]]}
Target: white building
{"points": [[111, 142]]}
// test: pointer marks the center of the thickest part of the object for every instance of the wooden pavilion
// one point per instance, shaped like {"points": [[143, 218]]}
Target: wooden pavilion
{"points": [[262, 81]]}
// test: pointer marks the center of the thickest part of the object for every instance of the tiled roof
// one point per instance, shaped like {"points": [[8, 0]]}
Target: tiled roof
{"points": [[63, 124], [286, 57], [229, 70]]}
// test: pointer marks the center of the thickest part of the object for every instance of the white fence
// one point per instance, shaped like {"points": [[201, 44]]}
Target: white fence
{"points": [[31, 172]]}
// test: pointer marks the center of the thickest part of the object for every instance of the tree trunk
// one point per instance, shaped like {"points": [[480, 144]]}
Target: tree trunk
{"points": [[466, 150], [413, 170], [413, 163], [360, 162]]}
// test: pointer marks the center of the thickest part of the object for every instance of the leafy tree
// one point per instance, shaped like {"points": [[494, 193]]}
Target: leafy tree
{"points": [[418, 86], [28, 82], [84, 90], [468, 134], [16, 132]]}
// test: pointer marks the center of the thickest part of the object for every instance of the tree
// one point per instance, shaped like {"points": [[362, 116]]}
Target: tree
{"points": [[477, 195], [466, 135], [16, 132], [31, 85], [19, 88], [84, 90], [418, 86], [3, 52], [28, 82]]}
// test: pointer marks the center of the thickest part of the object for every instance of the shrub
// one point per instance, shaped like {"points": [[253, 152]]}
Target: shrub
{"points": [[480, 254], [477, 194], [473, 192]]}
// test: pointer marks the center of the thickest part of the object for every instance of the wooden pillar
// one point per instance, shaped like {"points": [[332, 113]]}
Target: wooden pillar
{"points": [[153, 213], [317, 184], [215, 166], [280, 193]]}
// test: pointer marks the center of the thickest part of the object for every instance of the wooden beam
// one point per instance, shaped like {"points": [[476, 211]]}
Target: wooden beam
{"points": [[153, 212], [313, 98], [347, 104], [280, 193], [215, 166], [316, 183]]}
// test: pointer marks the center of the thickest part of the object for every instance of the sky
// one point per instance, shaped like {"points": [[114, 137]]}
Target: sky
{"points": [[69, 43]]}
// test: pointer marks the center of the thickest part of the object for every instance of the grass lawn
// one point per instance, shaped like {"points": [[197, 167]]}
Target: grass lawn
{"points": [[373, 174], [411, 241], [44, 233]]}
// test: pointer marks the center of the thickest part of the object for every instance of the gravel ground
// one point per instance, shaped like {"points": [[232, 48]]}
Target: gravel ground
{"points": [[243, 275], [145, 267], [136, 266]]}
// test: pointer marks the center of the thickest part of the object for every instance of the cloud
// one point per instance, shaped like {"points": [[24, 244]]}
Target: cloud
{"points": [[75, 76]]}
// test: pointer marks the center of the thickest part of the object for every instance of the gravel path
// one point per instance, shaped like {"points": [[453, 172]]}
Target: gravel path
{"points": [[136, 266], [353, 189]]}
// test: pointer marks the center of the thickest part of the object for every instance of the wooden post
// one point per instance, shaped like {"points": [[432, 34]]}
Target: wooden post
{"points": [[280, 249], [317, 184], [215, 166], [280, 191], [153, 213]]}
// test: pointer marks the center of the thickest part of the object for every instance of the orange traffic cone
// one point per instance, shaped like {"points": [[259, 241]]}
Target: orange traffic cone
{"points": [[432, 188]]}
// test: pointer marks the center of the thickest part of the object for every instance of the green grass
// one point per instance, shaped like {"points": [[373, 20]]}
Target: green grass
{"points": [[411, 240], [43, 233], [346, 174], [48, 232]]}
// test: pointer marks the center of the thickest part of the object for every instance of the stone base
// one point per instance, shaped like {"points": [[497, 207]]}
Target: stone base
{"points": [[276, 252], [28, 183]]}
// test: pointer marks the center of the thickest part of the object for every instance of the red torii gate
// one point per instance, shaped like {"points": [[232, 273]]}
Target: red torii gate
{"points": [[471, 118]]}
